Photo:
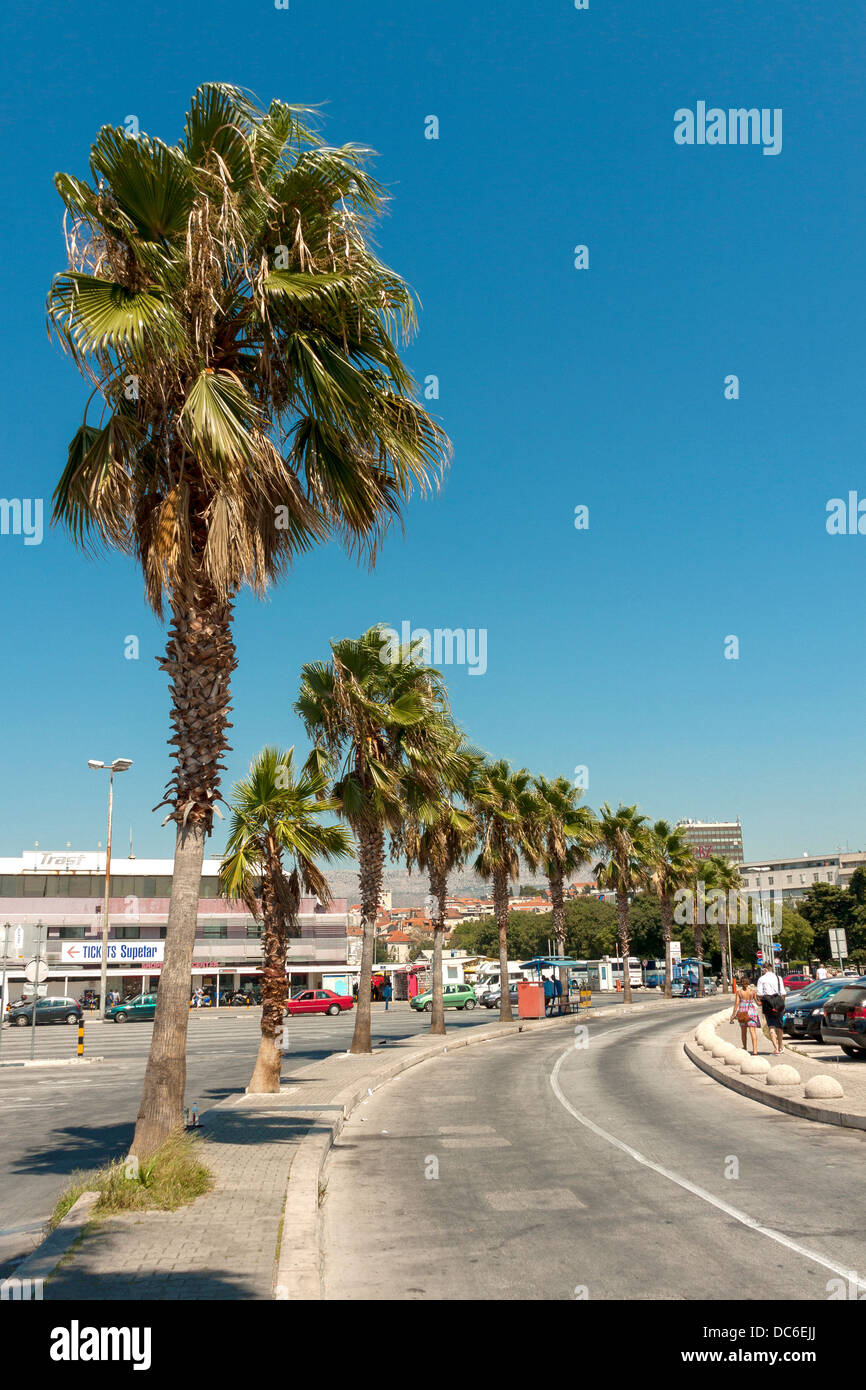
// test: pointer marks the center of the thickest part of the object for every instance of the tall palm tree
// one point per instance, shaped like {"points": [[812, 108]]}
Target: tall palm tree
{"points": [[439, 846], [624, 840], [275, 838], [567, 837], [505, 807], [672, 866], [380, 722], [721, 874], [222, 299]]}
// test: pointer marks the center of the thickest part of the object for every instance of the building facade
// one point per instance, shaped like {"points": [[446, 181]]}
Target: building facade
{"points": [[56, 900], [790, 878], [724, 837]]}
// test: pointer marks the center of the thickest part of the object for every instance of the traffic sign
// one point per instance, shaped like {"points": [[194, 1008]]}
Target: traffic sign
{"points": [[30, 990], [839, 943], [36, 971]]}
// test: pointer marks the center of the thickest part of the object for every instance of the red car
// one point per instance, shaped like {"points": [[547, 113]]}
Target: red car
{"points": [[318, 1001], [797, 981]]}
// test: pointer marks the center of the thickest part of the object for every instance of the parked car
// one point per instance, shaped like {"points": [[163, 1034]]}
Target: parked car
{"points": [[139, 1008], [845, 1018], [804, 1011], [453, 997], [47, 1011], [797, 981], [490, 999], [318, 1001]]}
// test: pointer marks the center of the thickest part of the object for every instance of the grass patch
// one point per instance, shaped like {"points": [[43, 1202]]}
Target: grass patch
{"points": [[170, 1178]]}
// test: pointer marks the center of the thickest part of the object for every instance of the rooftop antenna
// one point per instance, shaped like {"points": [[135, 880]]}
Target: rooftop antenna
{"points": [[131, 851]]}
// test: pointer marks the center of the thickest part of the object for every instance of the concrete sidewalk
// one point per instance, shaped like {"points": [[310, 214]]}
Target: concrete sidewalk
{"points": [[227, 1244], [223, 1245]]}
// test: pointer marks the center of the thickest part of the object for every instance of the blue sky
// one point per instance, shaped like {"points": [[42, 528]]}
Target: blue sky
{"points": [[558, 387]]}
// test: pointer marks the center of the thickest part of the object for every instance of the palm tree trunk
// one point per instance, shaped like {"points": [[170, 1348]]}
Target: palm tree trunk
{"points": [[622, 923], [667, 909], [439, 889], [371, 855], [500, 907], [557, 899], [724, 960], [199, 659], [267, 1071]]}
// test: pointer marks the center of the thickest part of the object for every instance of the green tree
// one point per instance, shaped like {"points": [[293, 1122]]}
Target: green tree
{"points": [[721, 876], [222, 299], [566, 835], [438, 847], [275, 837], [623, 837], [380, 721], [671, 866], [504, 807]]}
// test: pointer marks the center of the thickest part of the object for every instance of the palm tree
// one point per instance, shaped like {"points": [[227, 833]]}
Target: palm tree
{"points": [[504, 805], [438, 847], [276, 816], [567, 836], [624, 840], [222, 299], [671, 866], [380, 722], [721, 874]]}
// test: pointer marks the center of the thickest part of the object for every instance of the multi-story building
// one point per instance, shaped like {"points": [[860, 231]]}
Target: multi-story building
{"points": [[64, 893], [790, 878], [724, 837]]}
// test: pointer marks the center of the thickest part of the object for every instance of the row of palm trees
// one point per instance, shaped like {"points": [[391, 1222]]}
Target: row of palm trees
{"points": [[240, 341], [389, 760]]}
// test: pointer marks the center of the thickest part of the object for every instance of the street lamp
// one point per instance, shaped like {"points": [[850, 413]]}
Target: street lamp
{"points": [[119, 765]]}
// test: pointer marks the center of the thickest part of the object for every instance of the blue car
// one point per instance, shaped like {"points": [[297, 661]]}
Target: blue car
{"points": [[805, 1011]]}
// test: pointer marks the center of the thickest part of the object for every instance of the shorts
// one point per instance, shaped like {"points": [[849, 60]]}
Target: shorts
{"points": [[772, 1017]]}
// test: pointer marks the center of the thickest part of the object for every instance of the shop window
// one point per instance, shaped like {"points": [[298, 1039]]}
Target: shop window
{"points": [[254, 929], [212, 929]]}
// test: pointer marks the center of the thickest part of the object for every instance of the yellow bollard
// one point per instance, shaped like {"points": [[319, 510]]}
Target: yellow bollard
{"points": [[81, 1038]]}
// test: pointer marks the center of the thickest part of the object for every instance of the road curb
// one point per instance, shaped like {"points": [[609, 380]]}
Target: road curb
{"points": [[42, 1263], [53, 1062], [753, 1090], [299, 1264]]}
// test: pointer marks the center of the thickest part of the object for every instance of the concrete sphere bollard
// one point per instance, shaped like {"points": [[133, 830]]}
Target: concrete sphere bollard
{"points": [[823, 1088], [721, 1049], [754, 1066], [735, 1058], [783, 1076]]}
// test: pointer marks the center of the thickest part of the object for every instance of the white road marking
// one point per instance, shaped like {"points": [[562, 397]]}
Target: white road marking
{"points": [[741, 1216]]}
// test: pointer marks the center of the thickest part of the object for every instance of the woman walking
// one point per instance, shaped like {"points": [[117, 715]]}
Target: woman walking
{"points": [[746, 1014]]}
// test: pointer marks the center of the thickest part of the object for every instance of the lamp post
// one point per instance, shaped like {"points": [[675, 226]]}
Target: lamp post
{"points": [[119, 765]]}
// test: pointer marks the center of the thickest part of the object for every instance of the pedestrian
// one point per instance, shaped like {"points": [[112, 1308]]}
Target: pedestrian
{"points": [[548, 994], [745, 1012], [771, 996], [387, 993], [355, 990], [821, 972], [199, 997]]}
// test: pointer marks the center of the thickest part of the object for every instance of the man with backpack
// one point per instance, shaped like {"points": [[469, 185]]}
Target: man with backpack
{"points": [[771, 997]]}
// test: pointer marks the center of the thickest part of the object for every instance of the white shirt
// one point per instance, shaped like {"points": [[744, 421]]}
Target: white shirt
{"points": [[770, 984], [821, 973]]}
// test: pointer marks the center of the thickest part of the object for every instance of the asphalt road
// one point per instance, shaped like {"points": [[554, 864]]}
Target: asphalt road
{"points": [[533, 1168], [56, 1121]]}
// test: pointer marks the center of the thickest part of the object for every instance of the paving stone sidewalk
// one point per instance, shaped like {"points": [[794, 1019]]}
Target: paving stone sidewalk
{"points": [[224, 1244], [813, 1060]]}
